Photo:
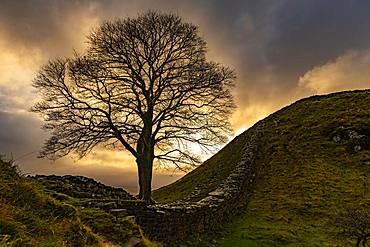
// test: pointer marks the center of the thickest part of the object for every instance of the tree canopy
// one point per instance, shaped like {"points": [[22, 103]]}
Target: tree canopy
{"points": [[143, 84]]}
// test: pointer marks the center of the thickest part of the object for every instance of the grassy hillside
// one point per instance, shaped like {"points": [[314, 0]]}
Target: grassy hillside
{"points": [[30, 216], [314, 163]]}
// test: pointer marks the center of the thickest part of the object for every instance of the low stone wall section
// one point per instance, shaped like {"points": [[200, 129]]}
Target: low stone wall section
{"points": [[171, 222]]}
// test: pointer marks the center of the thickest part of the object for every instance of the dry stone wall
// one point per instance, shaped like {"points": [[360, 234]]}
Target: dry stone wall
{"points": [[177, 221]]}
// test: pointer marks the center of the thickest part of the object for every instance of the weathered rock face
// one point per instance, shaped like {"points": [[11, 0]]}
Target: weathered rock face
{"points": [[81, 187], [177, 221]]}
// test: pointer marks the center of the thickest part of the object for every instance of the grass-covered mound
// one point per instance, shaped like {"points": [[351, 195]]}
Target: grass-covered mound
{"points": [[31, 215], [314, 163]]}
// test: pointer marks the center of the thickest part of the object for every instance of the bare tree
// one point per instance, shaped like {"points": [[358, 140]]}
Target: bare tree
{"points": [[144, 84]]}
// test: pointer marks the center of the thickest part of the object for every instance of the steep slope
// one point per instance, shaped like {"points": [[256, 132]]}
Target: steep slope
{"points": [[314, 162]]}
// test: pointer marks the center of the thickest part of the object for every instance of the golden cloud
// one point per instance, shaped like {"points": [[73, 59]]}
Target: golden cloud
{"points": [[349, 71]]}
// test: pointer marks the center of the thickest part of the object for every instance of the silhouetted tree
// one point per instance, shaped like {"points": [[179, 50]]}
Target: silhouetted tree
{"points": [[354, 223], [143, 84]]}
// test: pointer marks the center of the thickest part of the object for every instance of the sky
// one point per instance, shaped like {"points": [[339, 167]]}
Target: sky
{"points": [[281, 51]]}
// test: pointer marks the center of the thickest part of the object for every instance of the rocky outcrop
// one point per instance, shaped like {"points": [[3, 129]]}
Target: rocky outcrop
{"points": [[81, 187]]}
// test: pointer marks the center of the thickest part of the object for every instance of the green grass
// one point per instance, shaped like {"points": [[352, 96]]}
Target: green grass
{"points": [[304, 177], [29, 217]]}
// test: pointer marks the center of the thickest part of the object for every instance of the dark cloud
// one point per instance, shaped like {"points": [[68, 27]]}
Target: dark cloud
{"points": [[19, 133], [285, 38], [313, 32]]}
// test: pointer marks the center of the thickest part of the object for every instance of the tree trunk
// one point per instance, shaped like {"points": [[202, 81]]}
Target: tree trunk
{"points": [[145, 168], [139, 173], [144, 160]]}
